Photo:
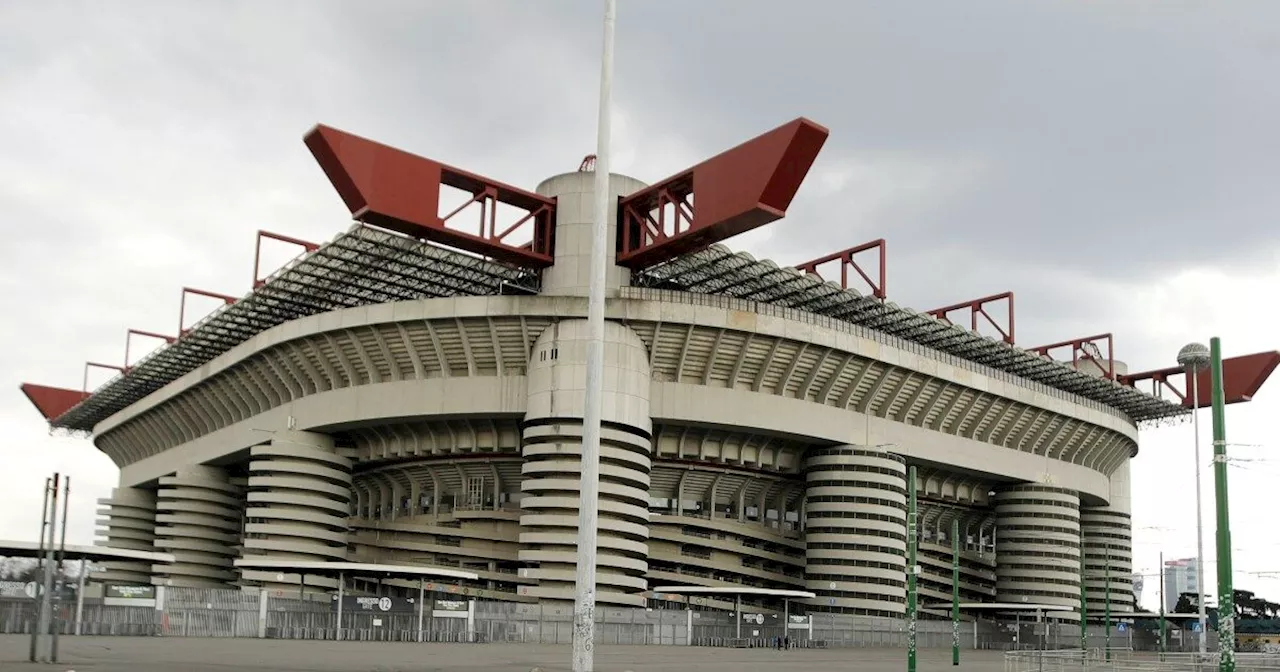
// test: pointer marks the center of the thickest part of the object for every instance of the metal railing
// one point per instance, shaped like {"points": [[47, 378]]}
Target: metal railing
{"points": [[1127, 660]]}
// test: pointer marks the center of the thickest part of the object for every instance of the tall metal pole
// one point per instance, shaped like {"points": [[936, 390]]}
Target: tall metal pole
{"points": [[1195, 425], [44, 524], [1163, 647], [1194, 357], [1108, 602], [56, 598], [955, 591], [1084, 606], [584, 598], [1226, 594], [911, 569], [47, 594], [422, 604]]}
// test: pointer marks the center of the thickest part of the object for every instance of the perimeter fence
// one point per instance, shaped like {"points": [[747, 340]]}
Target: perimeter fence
{"points": [[198, 612], [1127, 660]]}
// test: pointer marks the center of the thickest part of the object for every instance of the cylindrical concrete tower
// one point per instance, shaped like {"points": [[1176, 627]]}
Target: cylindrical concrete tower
{"points": [[298, 502], [552, 449], [198, 521], [856, 530], [1038, 545], [129, 519], [575, 216], [1107, 532]]}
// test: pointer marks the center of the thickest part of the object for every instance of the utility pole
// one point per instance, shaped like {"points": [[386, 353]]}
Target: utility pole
{"points": [[1084, 605], [46, 608], [44, 525], [62, 554], [584, 593], [1226, 594], [955, 591], [911, 569], [1108, 603], [1163, 647]]}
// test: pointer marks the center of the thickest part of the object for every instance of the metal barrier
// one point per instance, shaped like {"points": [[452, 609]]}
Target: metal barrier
{"points": [[1127, 660]]}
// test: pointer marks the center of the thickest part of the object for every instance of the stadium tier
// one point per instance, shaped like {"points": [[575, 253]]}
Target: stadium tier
{"points": [[411, 392]]}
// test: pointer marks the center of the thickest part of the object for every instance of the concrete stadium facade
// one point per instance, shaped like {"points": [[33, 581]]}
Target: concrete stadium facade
{"points": [[743, 444]]}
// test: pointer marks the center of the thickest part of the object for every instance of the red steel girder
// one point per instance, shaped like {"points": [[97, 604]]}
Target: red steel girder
{"points": [[1242, 377], [96, 365], [977, 308], [182, 305], [396, 190], [257, 251], [128, 338], [738, 190], [52, 402], [848, 260], [1088, 349]]}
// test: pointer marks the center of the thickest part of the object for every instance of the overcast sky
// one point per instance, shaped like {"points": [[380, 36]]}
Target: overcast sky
{"points": [[1113, 163]]}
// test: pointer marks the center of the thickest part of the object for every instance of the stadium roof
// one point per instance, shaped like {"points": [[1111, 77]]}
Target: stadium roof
{"points": [[362, 266], [718, 270], [367, 266]]}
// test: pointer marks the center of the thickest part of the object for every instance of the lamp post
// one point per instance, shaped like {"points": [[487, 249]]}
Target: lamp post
{"points": [[1194, 357], [584, 592], [1226, 594], [912, 568]]}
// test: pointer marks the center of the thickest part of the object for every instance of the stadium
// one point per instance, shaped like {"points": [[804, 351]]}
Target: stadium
{"points": [[411, 393]]}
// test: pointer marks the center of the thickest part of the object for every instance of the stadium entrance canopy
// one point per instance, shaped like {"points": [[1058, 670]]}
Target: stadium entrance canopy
{"points": [[340, 570], [737, 592]]}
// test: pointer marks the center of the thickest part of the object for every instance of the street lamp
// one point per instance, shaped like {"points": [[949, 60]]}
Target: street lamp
{"points": [[1194, 357]]}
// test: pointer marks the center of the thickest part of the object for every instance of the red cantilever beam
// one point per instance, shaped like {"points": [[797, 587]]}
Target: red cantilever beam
{"points": [[91, 365], [128, 337], [848, 260], [977, 308], [257, 251], [396, 190], [1242, 377], [743, 188], [182, 305], [1087, 349], [52, 402]]}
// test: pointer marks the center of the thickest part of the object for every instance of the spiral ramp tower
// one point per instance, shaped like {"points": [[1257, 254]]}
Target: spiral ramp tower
{"points": [[127, 520], [552, 445], [198, 521], [298, 504], [1038, 546], [856, 530]]}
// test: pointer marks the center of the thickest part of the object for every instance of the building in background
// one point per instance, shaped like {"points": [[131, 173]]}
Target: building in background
{"points": [[411, 393], [1180, 576]]}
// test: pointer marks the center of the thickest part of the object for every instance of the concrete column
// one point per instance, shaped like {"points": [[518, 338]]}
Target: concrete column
{"points": [[575, 211], [855, 506], [198, 521], [298, 503], [1038, 546], [1108, 539], [128, 520], [552, 440]]}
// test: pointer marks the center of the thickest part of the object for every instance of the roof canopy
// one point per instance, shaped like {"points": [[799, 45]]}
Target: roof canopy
{"points": [[363, 266], [718, 270], [731, 590], [321, 568], [31, 549]]}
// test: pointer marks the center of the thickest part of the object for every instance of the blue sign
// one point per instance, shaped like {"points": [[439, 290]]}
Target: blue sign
{"points": [[1195, 627], [1122, 627]]}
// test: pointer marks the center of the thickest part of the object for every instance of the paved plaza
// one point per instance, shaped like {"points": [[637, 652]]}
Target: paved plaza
{"points": [[170, 654]]}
